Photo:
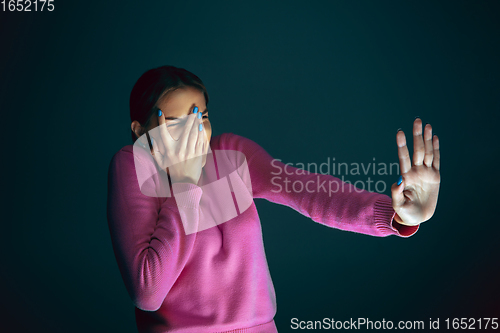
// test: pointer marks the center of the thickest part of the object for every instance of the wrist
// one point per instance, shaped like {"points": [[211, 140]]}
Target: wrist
{"points": [[178, 177], [397, 219], [403, 229], [183, 180]]}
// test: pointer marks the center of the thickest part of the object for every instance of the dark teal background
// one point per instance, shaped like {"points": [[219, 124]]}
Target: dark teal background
{"points": [[306, 80]]}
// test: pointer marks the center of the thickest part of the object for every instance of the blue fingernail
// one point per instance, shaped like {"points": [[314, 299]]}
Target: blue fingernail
{"points": [[200, 127], [195, 109], [400, 180], [199, 115], [159, 113], [399, 129], [152, 142]]}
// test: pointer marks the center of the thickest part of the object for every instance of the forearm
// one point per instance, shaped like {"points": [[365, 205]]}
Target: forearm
{"points": [[324, 198]]}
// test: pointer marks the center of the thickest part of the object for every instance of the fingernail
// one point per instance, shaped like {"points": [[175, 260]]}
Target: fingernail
{"points": [[195, 109], [200, 127], [199, 115], [159, 113], [399, 129], [152, 141], [416, 117], [400, 180]]}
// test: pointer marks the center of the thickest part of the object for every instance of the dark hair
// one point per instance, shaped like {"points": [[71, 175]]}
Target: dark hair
{"points": [[156, 83]]}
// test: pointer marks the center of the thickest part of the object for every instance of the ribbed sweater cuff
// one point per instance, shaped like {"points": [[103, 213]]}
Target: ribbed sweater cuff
{"points": [[187, 195], [384, 220]]}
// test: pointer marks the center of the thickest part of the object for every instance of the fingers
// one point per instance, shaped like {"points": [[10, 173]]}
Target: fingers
{"points": [[188, 132], [425, 147], [418, 143], [154, 136], [194, 135], [164, 137], [189, 141], [435, 145], [156, 144], [200, 141], [398, 198], [429, 153], [403, 154]]}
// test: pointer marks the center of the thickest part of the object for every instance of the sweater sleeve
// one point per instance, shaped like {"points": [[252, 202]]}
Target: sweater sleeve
{"points": [[323, 198], [148, 238]]}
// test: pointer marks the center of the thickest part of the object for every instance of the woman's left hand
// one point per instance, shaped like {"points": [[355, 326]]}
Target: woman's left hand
{"points": [[415, 199]]}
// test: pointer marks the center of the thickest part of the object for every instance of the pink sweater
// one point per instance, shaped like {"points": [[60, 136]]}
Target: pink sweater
{"points": [[217, 279]]}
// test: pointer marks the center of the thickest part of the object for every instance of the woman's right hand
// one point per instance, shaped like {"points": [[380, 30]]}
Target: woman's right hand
{"points": [[183, 157]]}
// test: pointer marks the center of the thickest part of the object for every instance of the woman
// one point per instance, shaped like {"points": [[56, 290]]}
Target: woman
{"points": [[187, 239]]}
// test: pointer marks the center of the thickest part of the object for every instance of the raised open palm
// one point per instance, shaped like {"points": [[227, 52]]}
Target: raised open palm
{"points": [[415, 199]]}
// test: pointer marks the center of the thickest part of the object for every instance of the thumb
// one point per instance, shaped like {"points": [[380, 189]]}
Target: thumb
{"points": [[398, 198]]}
